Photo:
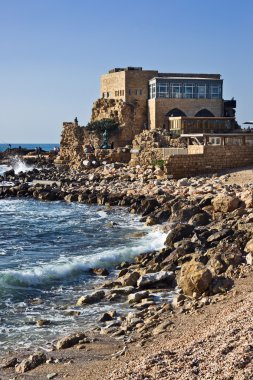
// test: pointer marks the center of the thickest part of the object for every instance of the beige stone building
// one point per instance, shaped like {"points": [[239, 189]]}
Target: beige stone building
{"points": [[171, 101]]}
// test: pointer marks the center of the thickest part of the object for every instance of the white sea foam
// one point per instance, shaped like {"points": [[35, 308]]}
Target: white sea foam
{"points": [[59, 270], [20, 166]]}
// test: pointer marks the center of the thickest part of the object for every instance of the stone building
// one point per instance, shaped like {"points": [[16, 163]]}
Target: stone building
{"points": [[166, 100]]}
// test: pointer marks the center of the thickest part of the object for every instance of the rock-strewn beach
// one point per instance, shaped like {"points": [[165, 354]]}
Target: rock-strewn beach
{"points": [[208, 254]]}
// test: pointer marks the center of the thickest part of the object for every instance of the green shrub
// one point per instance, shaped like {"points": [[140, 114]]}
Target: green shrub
{"points": [[159, 163], [99, 126]]}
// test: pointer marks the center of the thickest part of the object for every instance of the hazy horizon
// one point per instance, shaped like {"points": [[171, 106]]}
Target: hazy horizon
{"points": [[53, 53]]}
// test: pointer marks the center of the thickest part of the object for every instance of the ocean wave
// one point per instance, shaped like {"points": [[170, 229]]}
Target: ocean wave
{"points": [[51, 273]]}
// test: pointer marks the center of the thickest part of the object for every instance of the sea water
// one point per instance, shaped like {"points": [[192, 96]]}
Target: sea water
{"points": [[46, 251]]}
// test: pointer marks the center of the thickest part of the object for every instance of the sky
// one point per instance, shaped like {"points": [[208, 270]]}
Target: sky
{"points": [[52, 53]]}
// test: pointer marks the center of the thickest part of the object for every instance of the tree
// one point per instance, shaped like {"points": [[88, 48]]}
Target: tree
{"points": [[99, 126]]}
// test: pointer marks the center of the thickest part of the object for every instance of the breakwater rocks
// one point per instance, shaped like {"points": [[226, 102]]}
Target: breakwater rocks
{"points": [[208, 225]]}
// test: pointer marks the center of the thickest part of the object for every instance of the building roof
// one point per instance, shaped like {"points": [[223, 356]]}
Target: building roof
{"points": [[187, 77]]}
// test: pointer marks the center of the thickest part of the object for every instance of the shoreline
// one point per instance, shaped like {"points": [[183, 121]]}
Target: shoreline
{"points": [[152, 207]]}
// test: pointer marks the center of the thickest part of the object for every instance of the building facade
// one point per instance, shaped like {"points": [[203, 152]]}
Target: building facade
{"points": [[159, 98]]}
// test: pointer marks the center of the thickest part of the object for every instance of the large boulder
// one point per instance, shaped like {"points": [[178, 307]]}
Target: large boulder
{"points": [[200, 219], [249, 246], [195, 277], [129, 279], [177, 233], [91, 298], [247, 197], [225, 203], [69, 341], [137, 297]]}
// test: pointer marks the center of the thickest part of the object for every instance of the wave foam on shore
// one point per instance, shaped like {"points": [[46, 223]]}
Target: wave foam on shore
{"points": [[60, 270]]}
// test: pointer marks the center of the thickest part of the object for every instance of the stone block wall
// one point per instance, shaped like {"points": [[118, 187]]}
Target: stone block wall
{"points": [[158, 108], [213, 159]]}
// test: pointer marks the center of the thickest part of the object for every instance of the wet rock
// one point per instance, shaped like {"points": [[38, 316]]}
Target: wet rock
{"points": [[99, 271], [71, 198], [69, 341], [42, 322], [225, 203], [91, 298], [130, 279], [200, 219], [108, 316], [177, 233], [153, 279], [8, 363], [195, 277], [32, 362], [137, 297]]}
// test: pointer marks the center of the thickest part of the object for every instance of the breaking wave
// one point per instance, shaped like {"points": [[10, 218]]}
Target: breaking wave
{"points": [[59, 271]]}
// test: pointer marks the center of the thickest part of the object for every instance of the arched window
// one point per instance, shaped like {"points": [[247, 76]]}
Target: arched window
{"points": [[175, 112], [204, 113]]}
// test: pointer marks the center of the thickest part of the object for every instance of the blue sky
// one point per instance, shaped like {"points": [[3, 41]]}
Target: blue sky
{"points": [[52, 53]]}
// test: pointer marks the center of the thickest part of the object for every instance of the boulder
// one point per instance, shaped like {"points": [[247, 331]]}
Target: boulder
{"points": [[32, 362], [177, 233], [249, 246], [200, 219], [71, 198], [91, 298], [219, 235], [108, 316], [153, 279], [247, 197], [137, 297], [249, 258], [99, 271], [69, 341], [130, 279], [225, 203], [195, 277]]}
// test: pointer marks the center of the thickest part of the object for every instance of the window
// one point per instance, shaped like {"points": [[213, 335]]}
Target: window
{"points": [[108, 94], [176, 90], [136, 92], [202, 91], [152, 91], [129, 92], [163, 90], [140, 91], [188, 90], [215, 92]]}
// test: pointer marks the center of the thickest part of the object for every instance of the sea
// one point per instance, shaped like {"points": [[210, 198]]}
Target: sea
{"points": [[46, 251], [46, 147]]}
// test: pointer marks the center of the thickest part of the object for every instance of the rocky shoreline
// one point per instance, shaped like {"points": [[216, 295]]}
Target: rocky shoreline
{"points": [[209, 227]]}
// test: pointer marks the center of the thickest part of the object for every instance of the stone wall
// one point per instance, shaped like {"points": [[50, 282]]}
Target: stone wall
{"points": [[130, 116], [75, 139], [212, 159], [158, 108], [71, 144]]}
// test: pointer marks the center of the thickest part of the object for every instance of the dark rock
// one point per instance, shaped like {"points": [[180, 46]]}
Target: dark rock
{"points": [[32, 362], [200, 219], [69, 341], [177, 233], [99, 271]]}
